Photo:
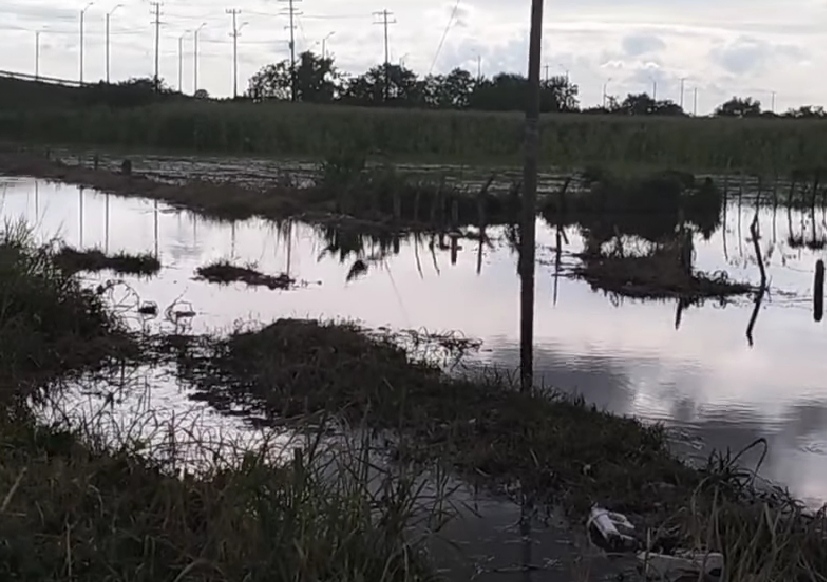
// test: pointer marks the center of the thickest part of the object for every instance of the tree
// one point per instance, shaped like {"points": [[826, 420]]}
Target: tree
{"points": [[316, 80], [201, 94], [403, 87], [643, 104], [807, 112], [507, 91], [737, 107]]}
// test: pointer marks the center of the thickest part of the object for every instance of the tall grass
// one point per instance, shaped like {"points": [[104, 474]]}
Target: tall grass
{"points": [[766, 146], [81, 502]]}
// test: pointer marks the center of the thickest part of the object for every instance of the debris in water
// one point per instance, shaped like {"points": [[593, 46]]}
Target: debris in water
{"points": [[683, 565], [611, 531]]}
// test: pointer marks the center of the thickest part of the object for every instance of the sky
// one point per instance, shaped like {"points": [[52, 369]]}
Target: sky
{"points": [[724, 48]]}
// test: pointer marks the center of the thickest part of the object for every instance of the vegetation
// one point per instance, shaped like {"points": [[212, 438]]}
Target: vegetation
{"points": [[559, 450], [72, 261], [84, 505], [223, 271]]}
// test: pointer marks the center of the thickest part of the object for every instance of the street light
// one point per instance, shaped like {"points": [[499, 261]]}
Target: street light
{"points": [[324, 43], [82, 12], [683, 82], [566, 70], [108, 16], [195, 58], [37, 55], [605, 86], [181, 61]]}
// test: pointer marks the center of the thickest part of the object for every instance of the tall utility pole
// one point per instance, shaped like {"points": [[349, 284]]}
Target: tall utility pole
{"points": [[291, 12], [527, 238], [772, 107], [80, 53], [479, 68], [324, 43], [195, 57], [385, 22], [37, 55], [156, 7], [234, 34], [683, 81], [654, 90], [696, 103], [108, 17], [181, 63]]}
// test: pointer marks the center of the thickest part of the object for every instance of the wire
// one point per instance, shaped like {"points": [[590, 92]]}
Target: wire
{"points": [[444, 35]]}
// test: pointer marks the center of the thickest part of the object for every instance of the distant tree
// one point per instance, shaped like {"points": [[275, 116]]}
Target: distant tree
{"points": [[449, 91], [201, 94], [807, 112], [507, 91], [737, 107], [643, 104], [403, 87], [316, 80]]}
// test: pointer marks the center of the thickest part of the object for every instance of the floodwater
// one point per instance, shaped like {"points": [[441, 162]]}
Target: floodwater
{"points": [[702, 378]]}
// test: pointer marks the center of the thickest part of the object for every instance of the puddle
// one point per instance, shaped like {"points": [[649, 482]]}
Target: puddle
{"points": [[702, 379]]}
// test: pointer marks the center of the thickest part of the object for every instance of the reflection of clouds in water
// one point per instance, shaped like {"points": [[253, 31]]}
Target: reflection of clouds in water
{"points": [[629, 359]]}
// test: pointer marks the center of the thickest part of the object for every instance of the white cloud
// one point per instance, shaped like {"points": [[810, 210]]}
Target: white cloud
{"points": [[765, 47]]}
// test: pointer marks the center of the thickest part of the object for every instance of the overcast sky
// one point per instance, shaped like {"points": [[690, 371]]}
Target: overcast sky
{"points": [[724, 48]]}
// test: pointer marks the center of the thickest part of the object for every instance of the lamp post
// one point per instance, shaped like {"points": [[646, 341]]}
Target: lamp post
{"points": [[37, 55], [324, 43], [195, 57], [235, 34], [605, 94], [82, 12], [108, 17]]}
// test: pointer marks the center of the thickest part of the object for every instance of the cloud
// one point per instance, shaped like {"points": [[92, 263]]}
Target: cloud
{"points": [[778, 46]]}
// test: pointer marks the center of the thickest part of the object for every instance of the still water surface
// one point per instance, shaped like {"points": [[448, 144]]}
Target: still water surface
{"points": [[703, 378]]}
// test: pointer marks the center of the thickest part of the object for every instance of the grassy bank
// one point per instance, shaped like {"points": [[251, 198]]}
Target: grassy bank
{"points": [[76, 510], [560, 450], [766, 146]]}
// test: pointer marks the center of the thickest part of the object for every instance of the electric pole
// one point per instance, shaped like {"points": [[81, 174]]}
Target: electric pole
{"points": [[108, 17], [234, 34], [528, 234], [385, 22], [156, 6], [683, 81], [181, 63], [37, 55], [82, 13], [195, 57], [696, 102], [291, 12]]}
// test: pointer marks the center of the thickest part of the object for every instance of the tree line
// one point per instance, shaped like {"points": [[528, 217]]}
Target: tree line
{"points": [[316, 79]]}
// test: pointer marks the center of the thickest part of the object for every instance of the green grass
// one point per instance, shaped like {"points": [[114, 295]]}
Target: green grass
{"points": [[223, 271], [81, 503], [283, 129], [558, 449]]}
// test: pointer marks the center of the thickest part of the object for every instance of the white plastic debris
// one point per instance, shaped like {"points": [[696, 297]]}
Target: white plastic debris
{"points": [[614, 529], [682, 564]]}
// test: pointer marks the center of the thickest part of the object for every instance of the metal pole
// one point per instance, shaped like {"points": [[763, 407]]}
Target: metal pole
{"points": [[696, 102], [108, 18], [195, 58], [37, 55], [181, 63], [527, 242], [683, 80]]}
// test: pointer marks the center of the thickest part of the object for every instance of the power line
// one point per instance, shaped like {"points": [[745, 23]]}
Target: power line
{"points": [[444, 35], [385, 22]]}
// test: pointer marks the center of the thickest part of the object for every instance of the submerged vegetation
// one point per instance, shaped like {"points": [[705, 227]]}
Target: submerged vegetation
{"points": [[84, 505], [73, 261], [557, 449], [223, 271]]}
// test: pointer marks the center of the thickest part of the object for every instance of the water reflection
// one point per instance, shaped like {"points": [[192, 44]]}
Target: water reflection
{"points": [[702, 378]]}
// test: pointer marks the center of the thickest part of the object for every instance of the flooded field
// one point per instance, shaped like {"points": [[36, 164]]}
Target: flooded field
{"points": [[702, 379]]}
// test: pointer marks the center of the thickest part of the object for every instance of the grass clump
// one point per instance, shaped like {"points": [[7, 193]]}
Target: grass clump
{"points": [[557, 449], [73, 261], [662, 270], [224, 272], [83, 502]]}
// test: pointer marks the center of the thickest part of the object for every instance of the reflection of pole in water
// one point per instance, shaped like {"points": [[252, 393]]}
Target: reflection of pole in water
{"points": [[818, 292], [724, 216], [156, 228], [232, 239], [558, 260], [80, 216], [106, 228], [37, 199], [416, 243], [479, 250], [289, 245], [454, 249], [526, 510]]}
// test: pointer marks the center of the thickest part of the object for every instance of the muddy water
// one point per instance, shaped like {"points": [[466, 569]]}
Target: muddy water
{"points": [[701, 378]]}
